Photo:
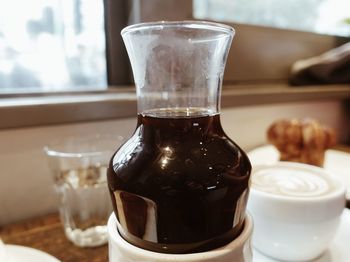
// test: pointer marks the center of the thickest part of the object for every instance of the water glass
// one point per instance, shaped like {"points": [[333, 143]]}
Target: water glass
{"points": [[78, 166]]}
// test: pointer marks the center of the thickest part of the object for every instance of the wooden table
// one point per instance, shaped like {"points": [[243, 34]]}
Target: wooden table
{"points": [[46, 233]]}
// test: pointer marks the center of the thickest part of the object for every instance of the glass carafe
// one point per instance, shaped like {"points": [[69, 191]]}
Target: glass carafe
{"points": [[179, 184]]}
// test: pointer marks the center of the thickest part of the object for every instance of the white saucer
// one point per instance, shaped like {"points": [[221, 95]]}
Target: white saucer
{"points": [[27, 254], [338, 251], [337, 162]]}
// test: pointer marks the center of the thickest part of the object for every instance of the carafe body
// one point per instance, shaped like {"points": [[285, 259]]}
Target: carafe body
{"points": [[179, 184]]}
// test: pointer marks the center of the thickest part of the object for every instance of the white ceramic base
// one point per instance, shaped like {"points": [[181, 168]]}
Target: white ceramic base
{"points": [[239, 250]]}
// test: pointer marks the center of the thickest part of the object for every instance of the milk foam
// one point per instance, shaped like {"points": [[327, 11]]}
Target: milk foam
{"points": [[291, 182]]}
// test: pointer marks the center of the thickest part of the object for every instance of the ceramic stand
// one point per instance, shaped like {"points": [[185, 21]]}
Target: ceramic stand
{"points": [[239, 250]]}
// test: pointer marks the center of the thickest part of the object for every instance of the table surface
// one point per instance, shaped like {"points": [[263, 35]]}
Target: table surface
{"points": [[46, 233]]}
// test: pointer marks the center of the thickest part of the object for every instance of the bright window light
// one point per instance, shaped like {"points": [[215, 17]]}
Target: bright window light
{"points": [[52, 45], [321, 16]]}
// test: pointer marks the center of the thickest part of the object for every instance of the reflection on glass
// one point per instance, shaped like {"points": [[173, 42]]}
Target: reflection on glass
{"points": [[51, 45]]}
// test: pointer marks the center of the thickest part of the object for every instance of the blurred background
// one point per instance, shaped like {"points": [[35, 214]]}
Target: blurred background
{"points": [[60, 45]]}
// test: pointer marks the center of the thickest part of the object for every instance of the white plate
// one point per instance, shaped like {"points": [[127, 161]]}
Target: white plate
{"points": [[27, 254], [338, 251], [337, 162]]}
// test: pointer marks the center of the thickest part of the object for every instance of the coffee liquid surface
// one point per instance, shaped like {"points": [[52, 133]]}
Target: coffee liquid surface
{"points": [[179, 184], [291, 182]]}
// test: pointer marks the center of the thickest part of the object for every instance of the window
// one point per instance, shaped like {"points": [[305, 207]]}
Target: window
{"points": [[65, 45], [320, 16], [60, 45], [264, 47], [52, 45]]}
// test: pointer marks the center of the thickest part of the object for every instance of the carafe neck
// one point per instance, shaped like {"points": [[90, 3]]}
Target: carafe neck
{"points": [[178, 65]]}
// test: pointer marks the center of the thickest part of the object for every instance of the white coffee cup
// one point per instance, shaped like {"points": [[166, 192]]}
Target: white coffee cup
{"points": [[296, 210], [239, 250]]}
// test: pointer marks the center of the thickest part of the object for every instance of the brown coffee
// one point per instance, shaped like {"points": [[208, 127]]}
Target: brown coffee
{"points": [[179, 184]]}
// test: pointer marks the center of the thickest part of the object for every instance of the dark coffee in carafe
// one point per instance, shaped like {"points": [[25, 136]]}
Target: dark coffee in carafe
{"points": [[179, 184]]}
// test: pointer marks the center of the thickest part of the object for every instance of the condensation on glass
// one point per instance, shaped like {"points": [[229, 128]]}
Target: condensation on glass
{"points": [[52, 45]]}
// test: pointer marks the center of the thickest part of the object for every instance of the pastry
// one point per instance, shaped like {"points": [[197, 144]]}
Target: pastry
{"points": [[303, 141]]}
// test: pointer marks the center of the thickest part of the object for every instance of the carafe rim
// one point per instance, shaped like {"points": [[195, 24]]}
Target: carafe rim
{"points": [[193, 24]]}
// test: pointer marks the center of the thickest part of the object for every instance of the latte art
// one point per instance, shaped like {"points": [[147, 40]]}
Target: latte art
{"points": [[291, 182]]}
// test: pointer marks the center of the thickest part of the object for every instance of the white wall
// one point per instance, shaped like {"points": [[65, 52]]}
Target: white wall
{"points": [[247, 125], [25, 182]]}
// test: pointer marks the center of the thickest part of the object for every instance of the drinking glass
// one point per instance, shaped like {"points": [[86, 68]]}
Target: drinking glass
{"points": [[78, 166]]}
